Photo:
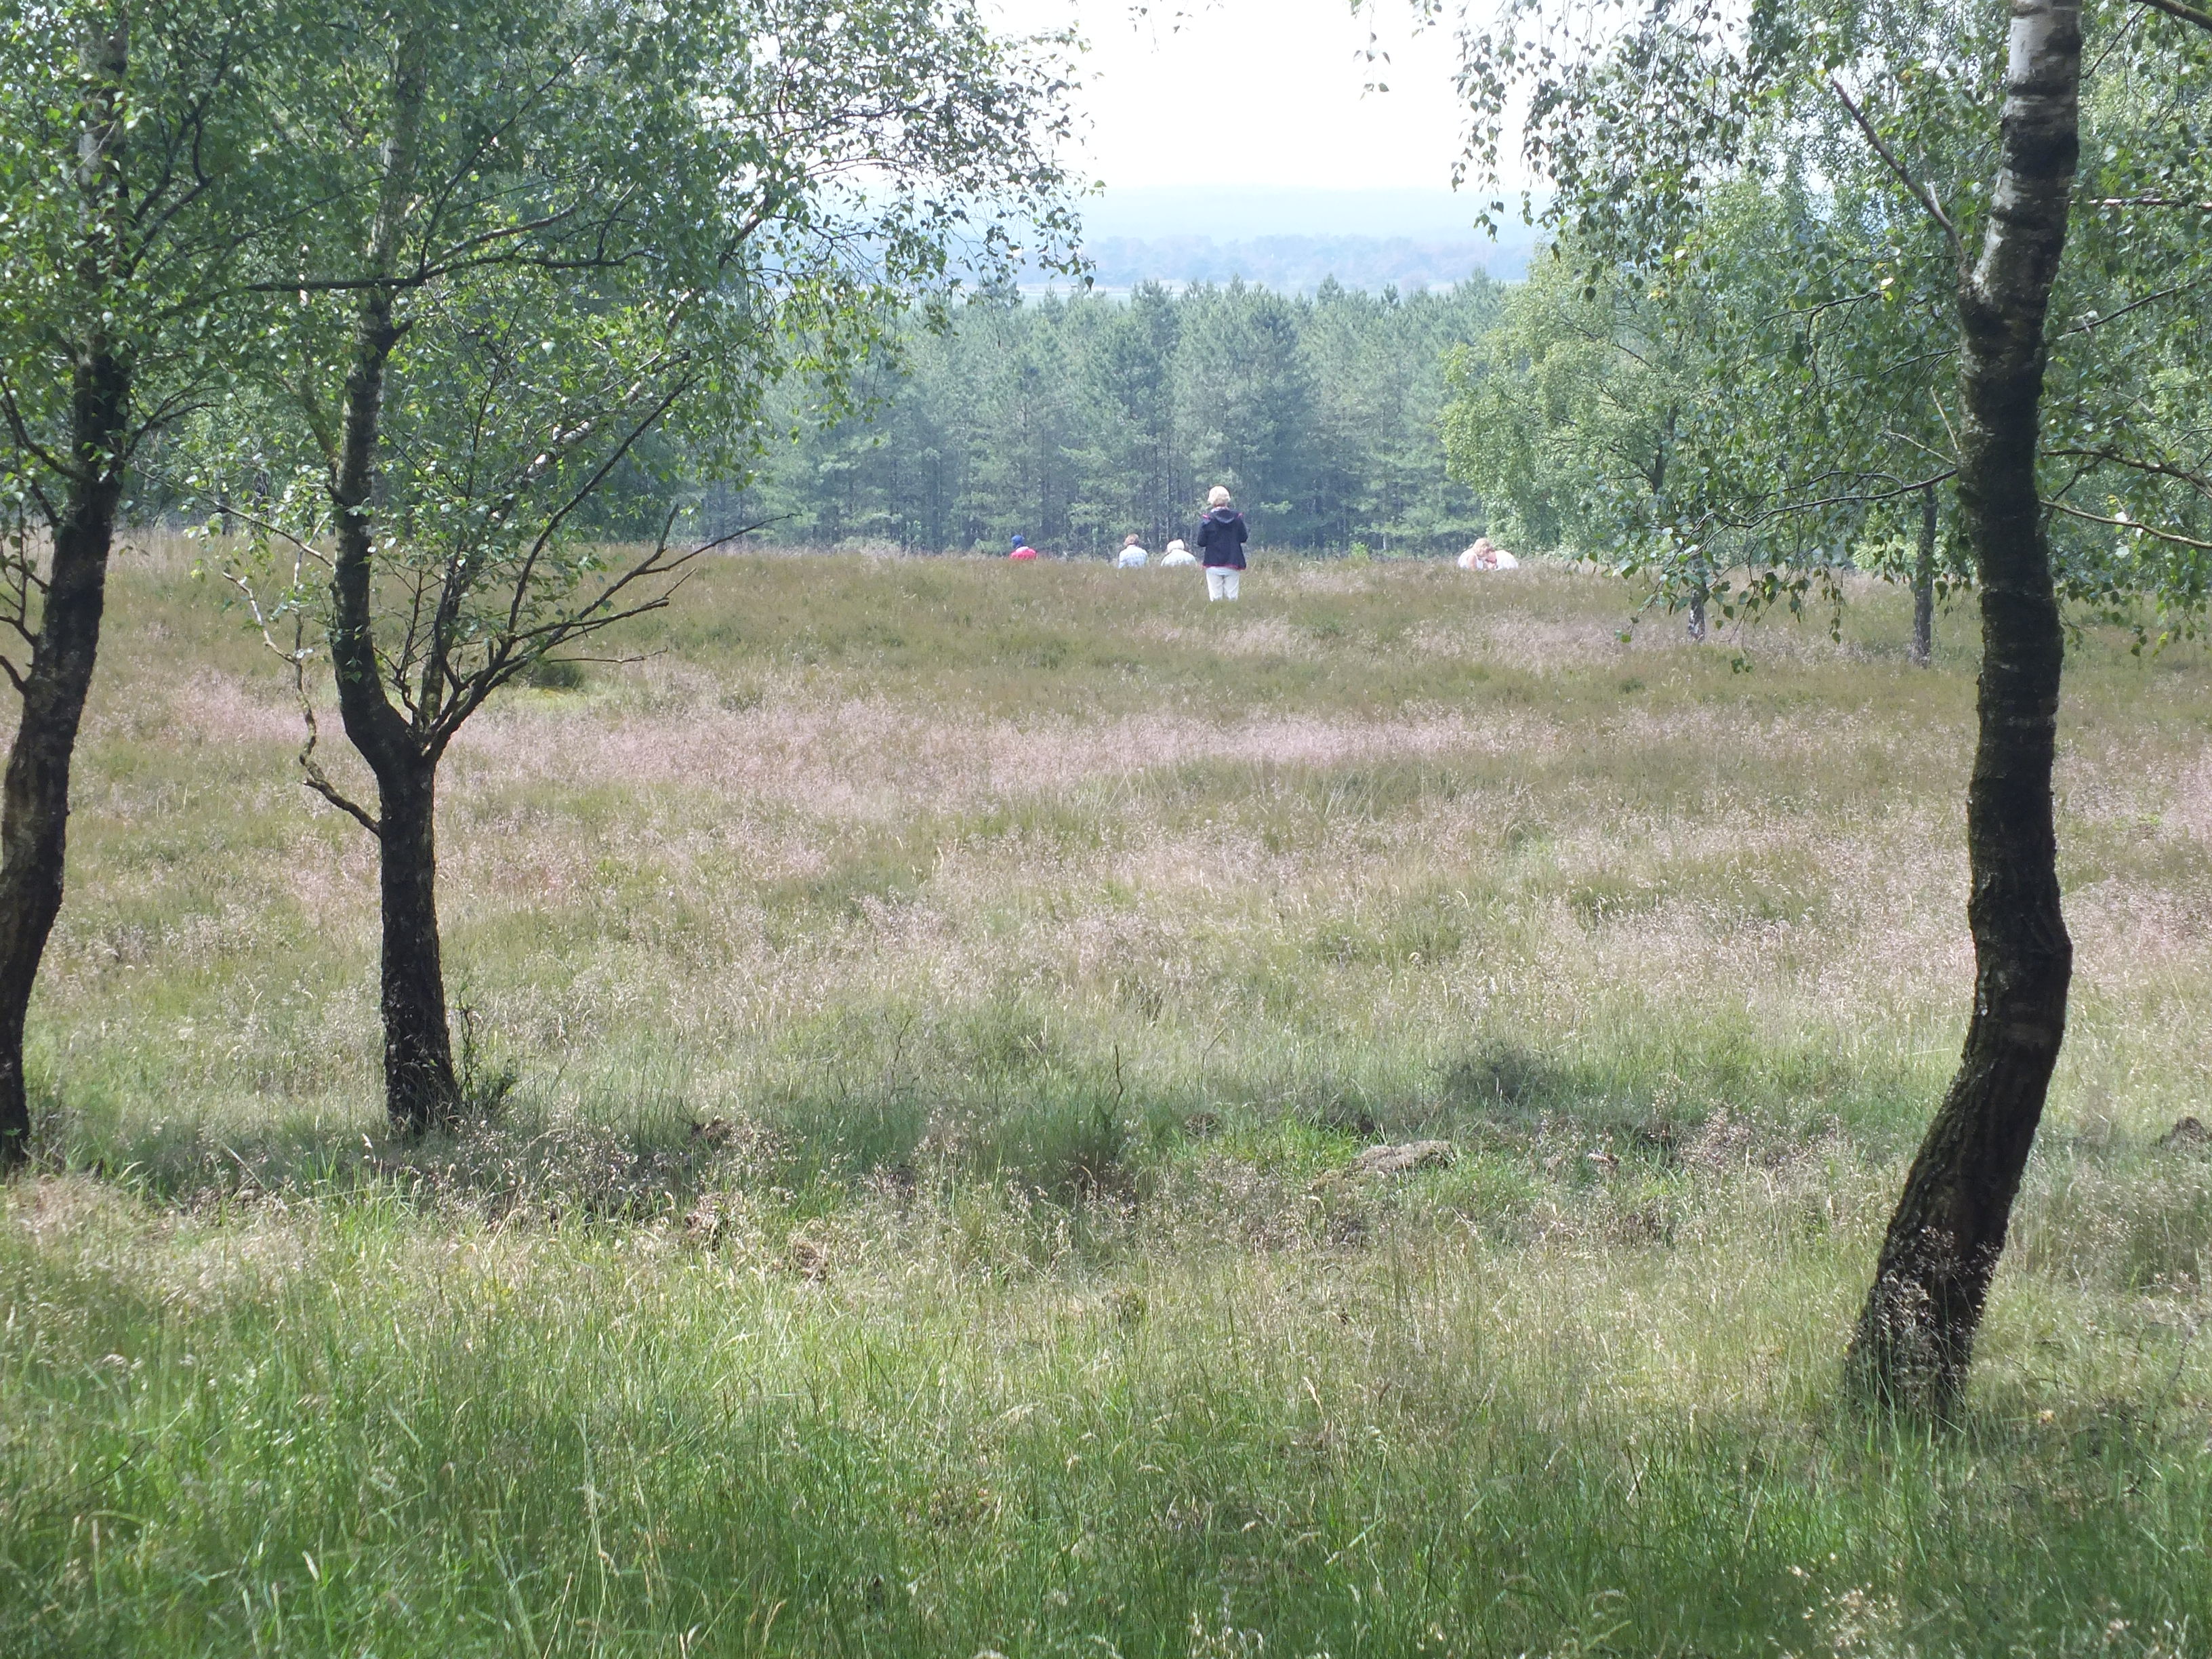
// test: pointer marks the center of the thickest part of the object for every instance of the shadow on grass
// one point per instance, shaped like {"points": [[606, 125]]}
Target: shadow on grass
{"points": [[997, 1093]]}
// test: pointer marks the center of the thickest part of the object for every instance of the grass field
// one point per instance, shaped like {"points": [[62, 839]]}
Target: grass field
{"points": [[947, 1001]]}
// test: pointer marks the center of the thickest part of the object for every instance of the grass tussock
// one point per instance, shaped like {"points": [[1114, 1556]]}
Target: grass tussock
{"points": [[925, 1018]]}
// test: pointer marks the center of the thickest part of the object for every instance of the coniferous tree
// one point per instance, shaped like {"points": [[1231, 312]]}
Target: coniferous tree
{"points": [[1078, 421]]}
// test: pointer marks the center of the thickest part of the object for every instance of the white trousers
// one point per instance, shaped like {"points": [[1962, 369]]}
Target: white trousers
{"points": [[1220, 582]]}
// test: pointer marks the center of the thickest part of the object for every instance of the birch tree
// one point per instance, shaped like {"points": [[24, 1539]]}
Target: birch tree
{"points": [[129, 159], [534, 238], [2074, 454]]}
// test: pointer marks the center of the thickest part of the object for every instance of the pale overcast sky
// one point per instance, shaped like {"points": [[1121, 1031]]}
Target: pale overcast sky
{"points": [[1259, 92]]}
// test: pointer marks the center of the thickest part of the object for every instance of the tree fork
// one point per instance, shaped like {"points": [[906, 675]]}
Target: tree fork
{"points": [[1915, 1337], [34, 794]]}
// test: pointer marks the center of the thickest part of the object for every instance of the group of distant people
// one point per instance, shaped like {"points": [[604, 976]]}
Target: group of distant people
{"points": [[1221, 538]]}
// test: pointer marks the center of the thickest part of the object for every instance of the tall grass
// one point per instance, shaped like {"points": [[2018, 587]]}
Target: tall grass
{"points": [[948, 1001]]}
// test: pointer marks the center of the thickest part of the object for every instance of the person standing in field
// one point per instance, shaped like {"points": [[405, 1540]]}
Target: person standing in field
{"points": [[1133, 556], [1221, 538]]}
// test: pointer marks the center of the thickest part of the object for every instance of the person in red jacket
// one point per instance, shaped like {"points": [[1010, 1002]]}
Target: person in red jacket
{"points": [[1022, 549], [1221, 538]]}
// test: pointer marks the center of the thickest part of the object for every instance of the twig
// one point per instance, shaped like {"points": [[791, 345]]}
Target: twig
{"points": [[297, 657], [2084, 327], [306, 549]]}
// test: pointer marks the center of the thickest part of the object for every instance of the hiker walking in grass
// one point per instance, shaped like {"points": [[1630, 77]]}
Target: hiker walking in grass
{"points": [[1221, 538]]}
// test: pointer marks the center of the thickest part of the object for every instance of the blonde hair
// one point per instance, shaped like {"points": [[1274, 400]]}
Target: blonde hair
{"points": [[1217, 496], [1129, 540]]}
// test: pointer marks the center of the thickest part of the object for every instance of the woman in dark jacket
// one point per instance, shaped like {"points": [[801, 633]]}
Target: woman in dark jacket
{"points": [[1221, 538]]}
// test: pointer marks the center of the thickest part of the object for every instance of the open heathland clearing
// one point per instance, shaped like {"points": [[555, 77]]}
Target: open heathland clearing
{"points": [[927, 1016]]}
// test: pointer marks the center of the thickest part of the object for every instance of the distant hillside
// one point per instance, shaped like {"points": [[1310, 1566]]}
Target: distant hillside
{"points": [[1292, 240], [1299, 265], [1241, 213]]}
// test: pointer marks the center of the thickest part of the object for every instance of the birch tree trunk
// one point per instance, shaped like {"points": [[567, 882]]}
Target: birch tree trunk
{"points": [[420, 1090], [35, 795], [1916, 1335]]}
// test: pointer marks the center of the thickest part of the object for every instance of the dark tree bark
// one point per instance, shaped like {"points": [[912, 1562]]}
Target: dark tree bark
{"points": [[34, 796], [419, 1085], [1916, 1335], [420, 1090], [1923, 585]]}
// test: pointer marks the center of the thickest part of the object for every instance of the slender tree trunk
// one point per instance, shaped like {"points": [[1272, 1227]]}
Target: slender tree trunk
{"points": [[1697, 622], [1916, 1336], [420, 1090], [35, 795], [1923, 584], [419, 1086]]}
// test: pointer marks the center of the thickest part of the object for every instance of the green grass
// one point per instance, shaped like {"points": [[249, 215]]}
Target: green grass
{"points": [[947, 1002]]}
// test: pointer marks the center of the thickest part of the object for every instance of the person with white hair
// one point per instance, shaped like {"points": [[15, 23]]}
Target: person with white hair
{"points": [[1133, 555], [1484, 555], [1221, 538], [1177, 554]]}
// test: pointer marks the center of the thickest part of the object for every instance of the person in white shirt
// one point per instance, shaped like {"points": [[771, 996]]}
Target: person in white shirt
{"points": [[1177, 554], [1485, 556], [1133, 555]]}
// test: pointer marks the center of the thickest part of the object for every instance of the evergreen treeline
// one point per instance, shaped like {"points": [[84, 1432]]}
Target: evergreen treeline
{"points": [[1075, 421]]}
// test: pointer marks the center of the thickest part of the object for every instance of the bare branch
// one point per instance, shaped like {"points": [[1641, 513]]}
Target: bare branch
{"points": [[304, 549], [583, 492], [317, 779], [297, 659], [21, 431], [2155, 534], [2084, 327], [602, 613], [2196, 481], [1850, 498], [1919, 192]]}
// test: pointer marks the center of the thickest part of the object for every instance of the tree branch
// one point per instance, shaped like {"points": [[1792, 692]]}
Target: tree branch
{"points": [[302, 548], [1919, 192], [2084, 327], [2196, 481], [2155, 534], [316, 779], [2187, 14], [1853, 498]]}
